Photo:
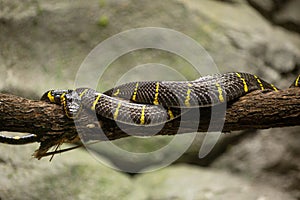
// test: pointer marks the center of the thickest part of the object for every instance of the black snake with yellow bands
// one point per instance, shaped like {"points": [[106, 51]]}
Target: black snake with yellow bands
{"points": [[153, 102]]}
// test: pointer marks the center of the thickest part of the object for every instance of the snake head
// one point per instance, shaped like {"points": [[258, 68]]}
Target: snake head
{"points": [[69, 99], [71, 102], [54, 96]]}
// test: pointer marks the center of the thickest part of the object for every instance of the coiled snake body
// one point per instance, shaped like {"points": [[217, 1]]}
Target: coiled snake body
{"points": [[153, 102]]}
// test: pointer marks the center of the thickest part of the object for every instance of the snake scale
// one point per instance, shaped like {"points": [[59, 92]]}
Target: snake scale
{"points": [[152, 102]]}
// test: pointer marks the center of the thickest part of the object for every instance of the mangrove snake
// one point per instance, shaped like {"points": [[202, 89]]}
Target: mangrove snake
{"points": [[152, 102]]}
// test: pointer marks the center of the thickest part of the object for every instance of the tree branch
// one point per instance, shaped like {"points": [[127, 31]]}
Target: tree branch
{"points": [[256, 110]]}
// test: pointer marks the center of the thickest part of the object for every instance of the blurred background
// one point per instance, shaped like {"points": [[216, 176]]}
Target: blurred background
{"points": [[43, 43]]}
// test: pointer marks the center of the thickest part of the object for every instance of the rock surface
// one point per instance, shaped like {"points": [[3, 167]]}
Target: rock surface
{"points": [[271, 156], [280, 12], [76, 175]]}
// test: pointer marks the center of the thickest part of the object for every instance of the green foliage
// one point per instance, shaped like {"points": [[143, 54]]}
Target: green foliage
{"points": [[103, 21], [102, 3]]}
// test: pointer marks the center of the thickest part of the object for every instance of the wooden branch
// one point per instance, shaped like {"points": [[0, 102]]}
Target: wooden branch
{"points": [[256, 110]]}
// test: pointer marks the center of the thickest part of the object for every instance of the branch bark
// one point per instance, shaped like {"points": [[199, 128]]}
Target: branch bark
{"points": [[256, 110]]}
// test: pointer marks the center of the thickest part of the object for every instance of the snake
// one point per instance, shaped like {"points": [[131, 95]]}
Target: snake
{"points": [[150, 103]]}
